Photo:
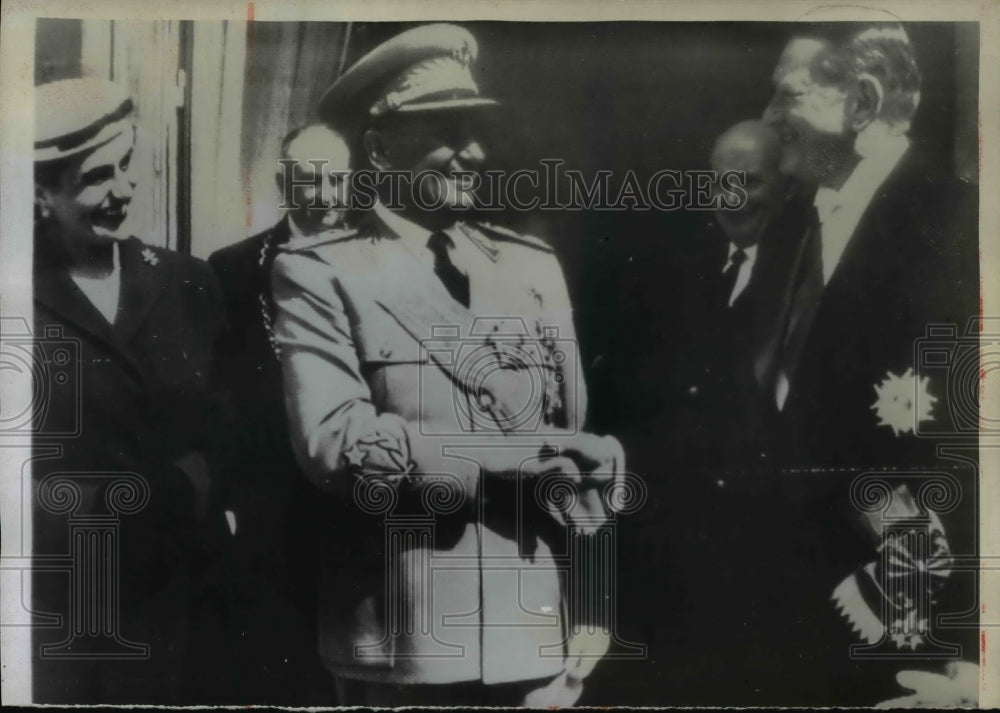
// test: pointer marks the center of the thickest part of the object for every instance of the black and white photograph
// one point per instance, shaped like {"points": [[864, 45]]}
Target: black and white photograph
{"points": [[377, 356]]}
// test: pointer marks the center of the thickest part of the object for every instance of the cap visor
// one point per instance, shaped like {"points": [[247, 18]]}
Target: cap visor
{"points": [[445, 104]]}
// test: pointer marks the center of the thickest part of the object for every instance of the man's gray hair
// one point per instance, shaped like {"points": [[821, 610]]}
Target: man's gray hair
{"points": [[884, 51]]}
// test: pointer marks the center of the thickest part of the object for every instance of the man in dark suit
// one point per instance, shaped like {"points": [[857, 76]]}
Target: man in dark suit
{"points": [[701, 519], [278, 520], [122, 474], [729, 278], [891, 251]]}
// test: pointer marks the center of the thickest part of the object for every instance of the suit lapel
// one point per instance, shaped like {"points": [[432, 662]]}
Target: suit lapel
{"points": [[777, 266], [850, 277], [711, 260], [144, 276], [55, 290], [871, 244], [276, 237], [718, 253], [872, 249]]}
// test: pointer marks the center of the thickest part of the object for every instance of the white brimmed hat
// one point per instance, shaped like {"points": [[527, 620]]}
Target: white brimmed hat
{"points": [[77, 115]]}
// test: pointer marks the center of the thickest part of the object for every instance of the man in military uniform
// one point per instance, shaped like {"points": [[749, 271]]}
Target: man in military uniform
{"points": [[126, 437], [279, 522], [433, 386]]}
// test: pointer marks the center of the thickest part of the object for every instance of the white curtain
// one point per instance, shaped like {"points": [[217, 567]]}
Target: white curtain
{"points": [[144, 57], [218, 197], [288, 66]]}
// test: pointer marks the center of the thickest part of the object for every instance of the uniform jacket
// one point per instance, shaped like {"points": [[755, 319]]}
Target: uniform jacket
{"points": [[446, 575]]}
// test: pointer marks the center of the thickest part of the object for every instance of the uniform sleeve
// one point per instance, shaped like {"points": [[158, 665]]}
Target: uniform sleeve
{"points": [[337, 434]]}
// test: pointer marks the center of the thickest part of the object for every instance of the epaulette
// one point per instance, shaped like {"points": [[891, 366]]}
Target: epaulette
{"points": [[481, 232], [327, 237]]}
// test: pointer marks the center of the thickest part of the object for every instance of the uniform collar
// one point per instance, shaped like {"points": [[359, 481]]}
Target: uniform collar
{"points": [[413, 236], [293, 231]]}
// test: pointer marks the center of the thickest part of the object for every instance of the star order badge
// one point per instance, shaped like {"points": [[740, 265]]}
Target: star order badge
{"points": [[888, 601], [903, 401], [149, 257]]}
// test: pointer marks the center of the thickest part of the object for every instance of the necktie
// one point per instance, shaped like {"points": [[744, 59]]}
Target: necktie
{"points": [[806, 293], [730, 275], [827, 202], [454, 280]]}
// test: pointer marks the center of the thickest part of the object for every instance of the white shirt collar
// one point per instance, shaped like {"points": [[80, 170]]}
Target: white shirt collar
{"points": [[840, 211], [751, 253]]}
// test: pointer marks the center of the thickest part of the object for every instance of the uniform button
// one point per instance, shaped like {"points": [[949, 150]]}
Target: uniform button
{"points": [[692, 391], [385, 352], [721, 483]]}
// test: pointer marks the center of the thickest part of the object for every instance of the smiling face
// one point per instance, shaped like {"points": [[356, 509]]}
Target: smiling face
{"points": [[810, 114], [318, 192], [753, 150], [444, 143], [88, 199]]}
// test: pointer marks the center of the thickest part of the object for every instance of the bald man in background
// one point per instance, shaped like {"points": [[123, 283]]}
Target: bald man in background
{"points": [[698, 530], [731, 278], [752, 151], [274, 515]]}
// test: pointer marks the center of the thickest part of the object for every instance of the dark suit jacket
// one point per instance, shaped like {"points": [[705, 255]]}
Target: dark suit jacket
{"points": [[911, 262], [712, 398], [128, 398], [759, 546], [250, 374], [705, 517], [282, 522]]}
